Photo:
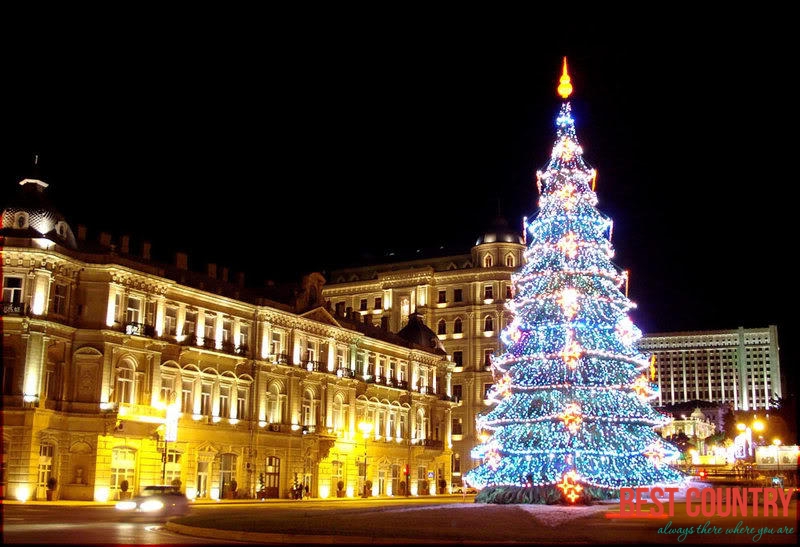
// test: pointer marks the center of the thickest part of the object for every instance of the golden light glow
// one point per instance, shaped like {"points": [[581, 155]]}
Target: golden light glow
{"points": [[572, 417], [741, 427], [22, 493], [567, 195], [572, 352], [564, 86], [758, 426], [653, 367], [365, 428], [569, 302], [641, 386], [568, 245], [570, 487]]}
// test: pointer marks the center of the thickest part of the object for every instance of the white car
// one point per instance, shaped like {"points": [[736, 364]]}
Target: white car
{"points": [[156, 501]]}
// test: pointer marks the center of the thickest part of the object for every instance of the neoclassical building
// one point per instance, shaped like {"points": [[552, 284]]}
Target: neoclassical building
{"points": [[461, 298], [116, 368]]}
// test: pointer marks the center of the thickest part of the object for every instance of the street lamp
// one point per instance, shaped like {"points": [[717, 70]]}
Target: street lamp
{"points": [[366, 429]]}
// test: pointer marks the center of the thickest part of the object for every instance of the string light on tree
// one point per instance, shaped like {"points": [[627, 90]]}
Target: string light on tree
{"points": [[570, 419]]}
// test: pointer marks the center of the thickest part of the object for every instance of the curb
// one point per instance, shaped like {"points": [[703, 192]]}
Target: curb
{"points": [[262, 537]]}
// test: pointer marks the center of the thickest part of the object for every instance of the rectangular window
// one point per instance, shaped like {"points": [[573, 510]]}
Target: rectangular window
{"points": [[205, 400], [226, 330], [277, 342], [244, 335], [488, 294], [224, 401], [363, 304], [187, 402], [486, 388], [311, 350], [457, 422], [509, 296], [378, 303], [241, 403], [458, 394], [190, 325], [487, 357], [442, 297], [456, 463], [59, 306], [340, 358], [458, 358], [170, 321], [133, 311], [209, 328], [12, 290], [458, 295]]}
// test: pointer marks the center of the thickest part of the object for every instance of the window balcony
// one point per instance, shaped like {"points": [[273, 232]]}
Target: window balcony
{"points": [[14, 308], [139, 329], [345, 373], [314, 366]]}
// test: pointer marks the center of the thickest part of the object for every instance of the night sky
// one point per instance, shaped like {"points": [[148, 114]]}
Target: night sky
{"points": [[280, 155]]}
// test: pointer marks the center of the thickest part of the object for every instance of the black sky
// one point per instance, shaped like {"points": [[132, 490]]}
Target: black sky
{"points": [[283, 153]]}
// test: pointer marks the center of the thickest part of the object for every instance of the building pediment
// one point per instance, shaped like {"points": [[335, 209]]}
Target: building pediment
{"points": [[321, 315]]}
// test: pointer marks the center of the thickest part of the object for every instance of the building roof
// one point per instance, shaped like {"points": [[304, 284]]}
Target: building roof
{"points": [[500, 232], [39, 219], [417, 332]]}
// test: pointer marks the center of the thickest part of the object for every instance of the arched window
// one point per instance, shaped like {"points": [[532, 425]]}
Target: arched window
{"points": [[339, 412], [457, 326], [487, 261], [422, 425], [442, 328], [124, 387], [274, 404], [510, 261], [488, 324], [309, 410]]}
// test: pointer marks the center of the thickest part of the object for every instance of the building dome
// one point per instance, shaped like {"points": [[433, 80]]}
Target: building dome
{"points": [[698, 414], [500, 232], [30, 214], [417, 332]]}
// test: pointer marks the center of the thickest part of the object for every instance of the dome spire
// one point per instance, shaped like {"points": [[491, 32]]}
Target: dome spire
{"points": [[564, 87]]}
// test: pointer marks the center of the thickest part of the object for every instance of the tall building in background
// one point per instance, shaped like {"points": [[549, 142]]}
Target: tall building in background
{"points": [[118, 370], [737, 367]]}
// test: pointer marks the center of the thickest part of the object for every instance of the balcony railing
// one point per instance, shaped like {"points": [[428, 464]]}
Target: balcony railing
{"points": [[432, 443], [314, 366], [427, 390], [14, 308], [139, 329], [345, 373]]}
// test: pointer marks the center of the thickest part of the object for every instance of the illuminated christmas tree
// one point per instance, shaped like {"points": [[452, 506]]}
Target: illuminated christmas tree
{"points": [[571, 420]]}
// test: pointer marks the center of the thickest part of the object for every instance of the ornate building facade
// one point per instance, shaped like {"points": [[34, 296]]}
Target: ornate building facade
{"points": [[118, 370], [461, 298]]}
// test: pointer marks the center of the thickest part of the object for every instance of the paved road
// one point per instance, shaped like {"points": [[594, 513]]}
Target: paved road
{"points": [[380, 521]]}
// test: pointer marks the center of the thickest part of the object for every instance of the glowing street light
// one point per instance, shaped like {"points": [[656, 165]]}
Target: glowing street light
{"points": [[366, 429]]}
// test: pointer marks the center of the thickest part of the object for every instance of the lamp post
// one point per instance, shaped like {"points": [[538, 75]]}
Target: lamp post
{"points": [[366, 429]]}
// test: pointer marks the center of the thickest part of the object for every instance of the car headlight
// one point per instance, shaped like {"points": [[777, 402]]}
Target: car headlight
{"points": [[126, 505], [151, 505]]}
